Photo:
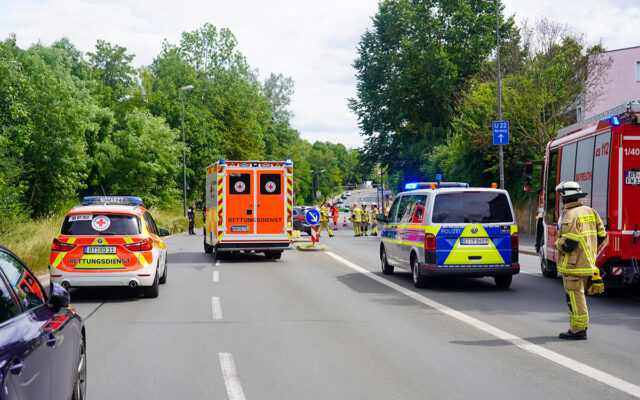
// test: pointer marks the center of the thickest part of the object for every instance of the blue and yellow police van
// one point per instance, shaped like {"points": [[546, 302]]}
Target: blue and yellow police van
{"points": [[451, 230]]}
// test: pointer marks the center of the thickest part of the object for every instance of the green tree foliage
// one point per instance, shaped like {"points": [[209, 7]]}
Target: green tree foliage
{"points": [[112, 67], [412, 66]]}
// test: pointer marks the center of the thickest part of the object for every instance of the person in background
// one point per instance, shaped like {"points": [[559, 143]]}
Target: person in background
{"points": [[364, 225], [324, 221], [356, 215], [374, 220], [191, 214], [335, 213]]}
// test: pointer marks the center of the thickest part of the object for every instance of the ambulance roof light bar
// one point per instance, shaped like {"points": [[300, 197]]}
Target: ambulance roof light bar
{"points": [[112, 200]]}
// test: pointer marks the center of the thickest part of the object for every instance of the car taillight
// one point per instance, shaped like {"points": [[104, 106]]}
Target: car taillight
{"points": [[61, 246], [143, 245], [515, 241], [300, 218], [430, 242]]}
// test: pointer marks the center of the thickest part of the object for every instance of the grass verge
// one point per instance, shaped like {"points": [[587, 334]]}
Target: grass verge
{"points": [[31, 241]]}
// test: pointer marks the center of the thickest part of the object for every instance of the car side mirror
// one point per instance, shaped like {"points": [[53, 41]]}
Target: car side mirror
{"points": [[164, 232], [58, 297]]}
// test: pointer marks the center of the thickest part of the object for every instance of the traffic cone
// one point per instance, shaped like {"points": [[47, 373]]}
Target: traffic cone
{"points": [[313, 235], [344, 221]]}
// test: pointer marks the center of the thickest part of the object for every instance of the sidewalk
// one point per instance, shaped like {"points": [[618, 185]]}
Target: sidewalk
{"points": [[528, 245]]}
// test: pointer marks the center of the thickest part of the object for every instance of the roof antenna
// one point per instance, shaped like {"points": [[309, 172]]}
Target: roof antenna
{"points": [[103, 192]]}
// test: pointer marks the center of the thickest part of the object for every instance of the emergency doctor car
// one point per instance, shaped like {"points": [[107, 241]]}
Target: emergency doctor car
{"points": [[451, 231], [110, 241]]}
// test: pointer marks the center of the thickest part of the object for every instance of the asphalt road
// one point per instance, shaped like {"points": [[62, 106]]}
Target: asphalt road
{"points": [[329, 325]]}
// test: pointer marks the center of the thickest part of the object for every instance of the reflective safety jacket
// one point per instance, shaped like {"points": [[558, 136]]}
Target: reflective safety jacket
{"points": [[365, 216], [581, 231], [374, 216], [324, 215], [356, 214]]}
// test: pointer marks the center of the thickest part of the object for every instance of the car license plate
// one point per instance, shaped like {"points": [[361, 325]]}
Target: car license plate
{"points": [[632, 177], [100, 250], [473, 241], [240, 228]]}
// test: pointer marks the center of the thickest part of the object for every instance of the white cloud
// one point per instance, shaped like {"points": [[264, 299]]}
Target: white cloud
{"points": [[312, 41]]}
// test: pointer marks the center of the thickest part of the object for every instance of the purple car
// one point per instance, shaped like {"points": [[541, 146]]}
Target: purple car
{"points": [[42, 338]]}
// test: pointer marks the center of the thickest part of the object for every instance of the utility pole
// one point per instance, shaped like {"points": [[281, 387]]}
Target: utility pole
{"points": [[499, 92], [184, 155]]}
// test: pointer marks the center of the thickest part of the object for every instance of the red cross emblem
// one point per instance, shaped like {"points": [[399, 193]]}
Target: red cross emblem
{"points": [[100, 223], [270, 186]]}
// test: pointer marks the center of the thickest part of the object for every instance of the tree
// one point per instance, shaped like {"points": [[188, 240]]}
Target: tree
{"points": [[112, 67], [279, 90]]}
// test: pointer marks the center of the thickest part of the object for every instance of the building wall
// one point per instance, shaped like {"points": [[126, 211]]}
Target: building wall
{"points": [[623, 81]]}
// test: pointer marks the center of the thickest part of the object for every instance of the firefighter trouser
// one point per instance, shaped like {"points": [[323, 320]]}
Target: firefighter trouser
{"points": [[374, 228], [324, 224], [356, 228], [574, 287], [364, 228]]}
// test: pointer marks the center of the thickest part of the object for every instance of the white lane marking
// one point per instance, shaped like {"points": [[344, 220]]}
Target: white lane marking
{"points": [[216, 308], [231, 381], [218, 263], [216, 276], [557, 358]]}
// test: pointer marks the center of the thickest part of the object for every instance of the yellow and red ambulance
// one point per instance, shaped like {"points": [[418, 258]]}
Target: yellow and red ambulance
{"points": [[249, 207], [110, 241]]}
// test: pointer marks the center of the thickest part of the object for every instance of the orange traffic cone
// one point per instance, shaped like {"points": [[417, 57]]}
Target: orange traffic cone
{"points": [[344, 221]]}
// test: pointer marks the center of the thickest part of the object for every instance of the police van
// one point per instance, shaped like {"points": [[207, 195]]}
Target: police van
{"points": [[451, 231]]}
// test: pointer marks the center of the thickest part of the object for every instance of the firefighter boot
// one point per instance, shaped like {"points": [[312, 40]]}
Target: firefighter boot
{"points": [[568, 335]]}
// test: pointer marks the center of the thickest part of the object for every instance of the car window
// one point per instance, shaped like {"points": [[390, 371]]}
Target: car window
{"points": [[151, 224], [471, 207], [8, 307], [24, 283], [415, 209], [101, 224], [404, 209], [393, 211]]}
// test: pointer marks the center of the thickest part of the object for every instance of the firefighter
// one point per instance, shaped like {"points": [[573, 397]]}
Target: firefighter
{"points": [[356, 215], [366, 218], [191, 214], [374, 220], [580, 234], [335, 214], [324, 221]]}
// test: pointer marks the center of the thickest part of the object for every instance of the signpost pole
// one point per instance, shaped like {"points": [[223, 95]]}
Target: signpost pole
{"points": [[499, 92]]}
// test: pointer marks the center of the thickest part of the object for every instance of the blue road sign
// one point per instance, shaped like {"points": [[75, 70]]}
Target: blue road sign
{"points": [[312, 216], [500, 132]]}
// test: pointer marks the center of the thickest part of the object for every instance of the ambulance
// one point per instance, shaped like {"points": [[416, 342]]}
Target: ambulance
{"points": [[451, 231], [249, 207], [110, 241]]}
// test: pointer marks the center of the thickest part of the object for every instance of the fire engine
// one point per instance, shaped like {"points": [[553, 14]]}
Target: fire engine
{"points": [[602, 154], [249, 207]]}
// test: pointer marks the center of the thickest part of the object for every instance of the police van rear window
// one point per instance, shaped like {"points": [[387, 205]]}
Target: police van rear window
{"points": [[471, 207], [101, 224]]}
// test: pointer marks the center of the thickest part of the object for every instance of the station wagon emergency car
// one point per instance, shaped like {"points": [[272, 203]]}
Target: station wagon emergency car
{"points": [[110, 241], [466, 232]]}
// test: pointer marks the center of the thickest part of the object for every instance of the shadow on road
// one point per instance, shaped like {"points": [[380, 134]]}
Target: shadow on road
{"points": [[540, 340]]}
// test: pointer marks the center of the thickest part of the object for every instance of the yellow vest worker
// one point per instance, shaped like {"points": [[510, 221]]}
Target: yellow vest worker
{"points": [[356, 219], [324, 221], [580, 234], [374, 220], [365, 220]]}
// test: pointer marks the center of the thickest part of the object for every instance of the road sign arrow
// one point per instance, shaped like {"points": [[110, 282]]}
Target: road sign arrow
{"points": [[500, 136]]}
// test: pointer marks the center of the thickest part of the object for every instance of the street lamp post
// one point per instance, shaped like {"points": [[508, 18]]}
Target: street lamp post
{"points": [[499, 92], [316, 173], [184, 154]]}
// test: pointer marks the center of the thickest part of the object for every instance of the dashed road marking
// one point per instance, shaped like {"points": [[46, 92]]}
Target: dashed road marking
{"points": [[216, 308], [216, 276], [231, 381], [557, 358]]}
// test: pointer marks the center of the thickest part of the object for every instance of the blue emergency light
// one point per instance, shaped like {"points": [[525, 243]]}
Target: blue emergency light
{"points": [[411, 186], [614, 120], [120, 200], [438, 177], [288, 161], [221, 161]]}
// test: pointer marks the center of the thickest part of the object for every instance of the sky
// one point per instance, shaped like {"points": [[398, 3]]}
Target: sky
{"points": [[314, 42]]}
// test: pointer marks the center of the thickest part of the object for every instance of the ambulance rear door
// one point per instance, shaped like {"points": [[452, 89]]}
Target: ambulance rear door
{"points": [[271, 202], [239, 201]]}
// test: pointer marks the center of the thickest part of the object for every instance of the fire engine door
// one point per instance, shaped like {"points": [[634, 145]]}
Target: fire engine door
{"points": [[270, 210], [629, 165], [239, 202]]}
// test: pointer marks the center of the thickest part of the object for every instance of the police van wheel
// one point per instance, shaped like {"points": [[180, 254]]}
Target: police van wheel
{"points": [[503, 281], [419, 280], [152, 291], [208, 248], [547, 268], [386, 268]]}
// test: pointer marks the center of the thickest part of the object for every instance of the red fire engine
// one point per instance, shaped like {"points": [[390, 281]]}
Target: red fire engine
{"points": [[602, 154]]}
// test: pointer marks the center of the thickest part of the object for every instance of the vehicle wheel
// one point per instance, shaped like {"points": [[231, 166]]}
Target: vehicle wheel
{"points": [[152, 291], [419, 280], [503, 281], [386, 268], [268, 255], [80, 383], [208, 248], [163, 280], [547, 267], [277, 254]]}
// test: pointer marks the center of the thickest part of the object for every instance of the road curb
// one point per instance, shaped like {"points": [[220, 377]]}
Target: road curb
{"points": [[528, 252]]}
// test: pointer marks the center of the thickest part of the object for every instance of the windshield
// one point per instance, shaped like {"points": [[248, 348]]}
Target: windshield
{"points": [[101, 224], [471, 207]]}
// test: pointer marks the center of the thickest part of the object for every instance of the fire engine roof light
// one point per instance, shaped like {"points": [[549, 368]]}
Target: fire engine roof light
{"points": [[288, 161], [615, 120], [119, 200], [221, 161], [410, 186]]}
